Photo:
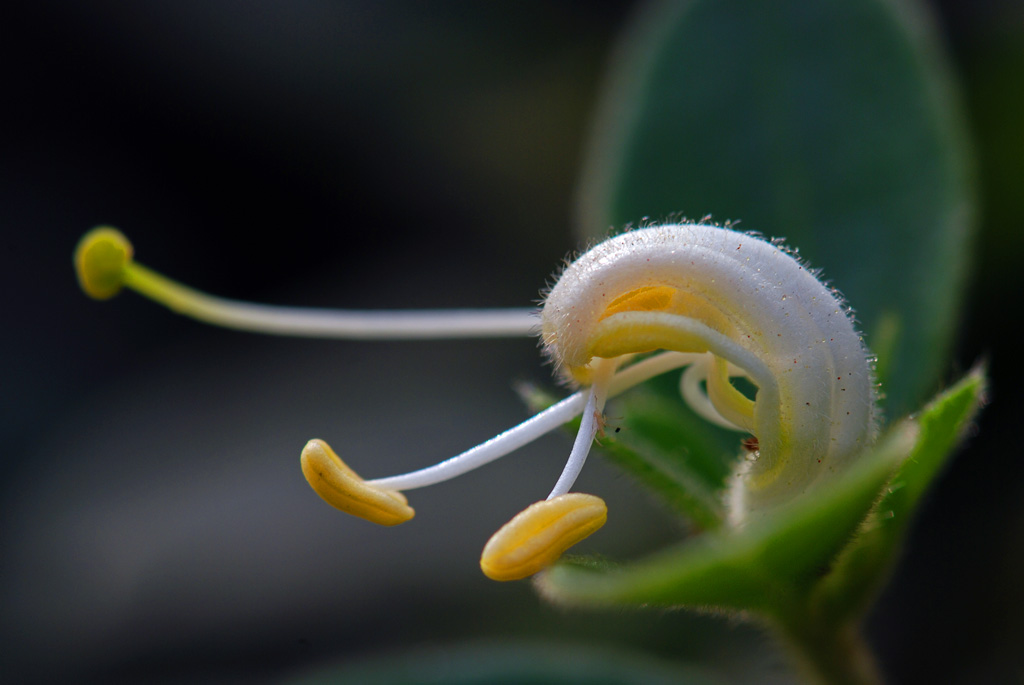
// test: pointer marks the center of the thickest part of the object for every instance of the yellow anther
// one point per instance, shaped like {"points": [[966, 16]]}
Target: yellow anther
{"points": [[539, 534], [343, 489], [647, 299], [100, 260]]}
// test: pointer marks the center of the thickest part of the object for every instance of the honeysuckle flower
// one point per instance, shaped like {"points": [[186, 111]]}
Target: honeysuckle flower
{"points": [[750, 308], [721, 303]]}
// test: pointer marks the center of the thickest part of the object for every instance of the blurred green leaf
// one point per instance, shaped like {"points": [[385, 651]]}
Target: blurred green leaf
{"points": [[765, 566], [512, 665], [827, 122], [865, 563]]}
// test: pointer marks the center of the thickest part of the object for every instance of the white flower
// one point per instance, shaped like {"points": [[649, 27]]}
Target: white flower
{"points": [[720, 302]]}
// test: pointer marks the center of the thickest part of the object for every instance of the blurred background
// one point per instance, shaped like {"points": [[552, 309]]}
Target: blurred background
{"points": [[154, 523]]}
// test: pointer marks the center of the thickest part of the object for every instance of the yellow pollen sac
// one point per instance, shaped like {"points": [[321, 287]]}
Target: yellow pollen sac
{"points": [[539, 534], [647, 299], [100, 260], [343, 489]]}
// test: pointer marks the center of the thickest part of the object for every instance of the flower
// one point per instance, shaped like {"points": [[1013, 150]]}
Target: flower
{"points": [[748, 308], [722, 303]]}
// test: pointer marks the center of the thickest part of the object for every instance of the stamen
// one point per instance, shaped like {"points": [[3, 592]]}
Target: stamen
{"points": [[602, 374], [539, 534], [343, 489], [635, 374], [689, 388], [495, 448], [104, 264], [534, 427], [733, 405]]}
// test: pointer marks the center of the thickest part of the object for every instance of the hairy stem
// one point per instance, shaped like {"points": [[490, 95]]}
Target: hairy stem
{"points": [[826, 653]]}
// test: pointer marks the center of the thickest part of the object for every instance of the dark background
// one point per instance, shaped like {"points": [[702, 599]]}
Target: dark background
{"points": [[363, 154]]}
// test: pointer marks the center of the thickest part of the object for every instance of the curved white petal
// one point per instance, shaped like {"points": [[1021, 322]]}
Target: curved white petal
{"points": [[709, 289]]}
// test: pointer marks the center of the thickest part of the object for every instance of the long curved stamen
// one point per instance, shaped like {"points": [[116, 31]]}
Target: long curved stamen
{"points": [[534, 427], [486, 452], [689, 388], [604, 368], [104, 263], [539, 534], [733, 405]]}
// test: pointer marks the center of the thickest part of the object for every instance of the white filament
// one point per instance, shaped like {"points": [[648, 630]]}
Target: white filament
{"points": [[486, 452], [306, 322], [589, 426], [698, 399], [536, 426], [371, 325], [689, 388]]}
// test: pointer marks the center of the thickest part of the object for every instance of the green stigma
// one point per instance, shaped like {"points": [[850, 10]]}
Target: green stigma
{"points": [[100, 260]]}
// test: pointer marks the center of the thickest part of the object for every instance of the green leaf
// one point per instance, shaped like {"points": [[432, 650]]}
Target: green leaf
{"points": [[866, 562], [767, 565], [827, 122]]}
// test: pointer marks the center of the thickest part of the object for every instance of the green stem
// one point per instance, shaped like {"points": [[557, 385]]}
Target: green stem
{"points": [[826, 653]]}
